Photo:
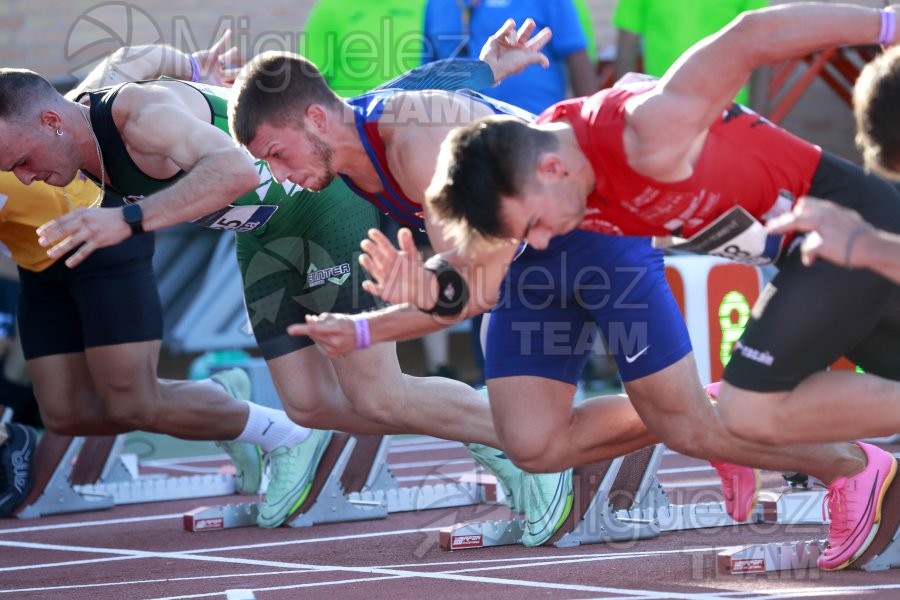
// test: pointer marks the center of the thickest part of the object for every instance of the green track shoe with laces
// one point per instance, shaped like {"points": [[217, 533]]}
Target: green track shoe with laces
{"points": [[247, 458], [291, 472], [547, 500], [508, 475]]}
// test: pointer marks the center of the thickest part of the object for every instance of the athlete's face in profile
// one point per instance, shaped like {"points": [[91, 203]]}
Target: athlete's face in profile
{"points": [[540, 214], [37, 153], [294, 154]]}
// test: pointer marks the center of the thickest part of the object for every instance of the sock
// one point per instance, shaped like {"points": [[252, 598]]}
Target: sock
{"points": [[269, 429]]}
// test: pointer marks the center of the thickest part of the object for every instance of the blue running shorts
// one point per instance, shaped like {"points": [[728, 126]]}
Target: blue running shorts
{"points": [[555, 303]]}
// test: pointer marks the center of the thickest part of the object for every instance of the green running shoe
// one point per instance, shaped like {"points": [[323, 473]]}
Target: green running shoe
{"points": [[509, 476], [247, 458], [547, 499], [291, 472]]}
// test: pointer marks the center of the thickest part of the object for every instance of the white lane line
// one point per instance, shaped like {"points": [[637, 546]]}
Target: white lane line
{"points": [[165, 462], [90, 523], [336, 538], [455, 577], [142, 554], [147, 581], [459, 578], [425, 478], [433, 464], [424, 440], [68, 563], [678, 470]]}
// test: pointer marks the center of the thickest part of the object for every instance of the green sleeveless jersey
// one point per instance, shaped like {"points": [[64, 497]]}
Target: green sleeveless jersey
{"points": [[254, 209]]}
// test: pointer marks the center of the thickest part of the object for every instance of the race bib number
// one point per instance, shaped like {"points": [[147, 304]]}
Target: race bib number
{"points": [[238, 218], [735, 235]]}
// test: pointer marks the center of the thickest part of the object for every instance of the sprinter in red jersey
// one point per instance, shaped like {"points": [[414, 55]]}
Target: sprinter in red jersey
{"points": [[677, 159]]}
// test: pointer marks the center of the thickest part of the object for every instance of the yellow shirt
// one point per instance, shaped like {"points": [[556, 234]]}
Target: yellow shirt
{"points": [[24, 208]]}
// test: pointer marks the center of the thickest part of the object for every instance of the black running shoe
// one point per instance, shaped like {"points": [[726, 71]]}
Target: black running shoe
{"points": [[16, 456]]}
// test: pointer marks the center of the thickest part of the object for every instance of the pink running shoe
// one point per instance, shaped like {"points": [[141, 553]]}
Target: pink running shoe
{"points": [[740, 485], [854, 505]]}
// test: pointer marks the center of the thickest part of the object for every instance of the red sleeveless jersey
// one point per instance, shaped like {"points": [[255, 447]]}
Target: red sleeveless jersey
{"points": [[746, 161]]}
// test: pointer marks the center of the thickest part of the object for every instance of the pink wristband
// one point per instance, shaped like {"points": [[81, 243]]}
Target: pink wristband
{"points": [[888, 27], [195, 68], [363, 336]]}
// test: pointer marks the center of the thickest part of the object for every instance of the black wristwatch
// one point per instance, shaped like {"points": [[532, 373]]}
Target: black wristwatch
{"points": [[134, 216]]}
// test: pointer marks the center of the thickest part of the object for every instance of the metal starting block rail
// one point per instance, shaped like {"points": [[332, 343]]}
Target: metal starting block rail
{"points": [[352, 483], [77, 474], [883, 553]]}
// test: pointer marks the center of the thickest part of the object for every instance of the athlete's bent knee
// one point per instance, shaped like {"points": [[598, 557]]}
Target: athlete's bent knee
{"points": [[537, 454], [747, 422]]}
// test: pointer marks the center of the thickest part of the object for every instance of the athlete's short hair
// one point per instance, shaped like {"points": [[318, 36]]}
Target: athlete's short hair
{"points": [[275, 88], [478, 164], [23, 93], [876, 98]]}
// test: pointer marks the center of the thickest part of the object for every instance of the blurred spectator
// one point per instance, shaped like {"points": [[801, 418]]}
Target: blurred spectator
{"points": [[668, 28], [17, 440], [15, 384], [360, 44], [460, 27]]}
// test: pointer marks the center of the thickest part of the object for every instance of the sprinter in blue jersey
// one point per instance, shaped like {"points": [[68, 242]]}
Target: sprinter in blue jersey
{"points": [[385, 146]]}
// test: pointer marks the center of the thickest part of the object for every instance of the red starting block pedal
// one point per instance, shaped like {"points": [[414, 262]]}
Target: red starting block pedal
{"points": [[227, 516], [775, 556]]}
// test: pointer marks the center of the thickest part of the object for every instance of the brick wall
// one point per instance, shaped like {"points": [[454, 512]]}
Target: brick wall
{"points": [[57, 38]]}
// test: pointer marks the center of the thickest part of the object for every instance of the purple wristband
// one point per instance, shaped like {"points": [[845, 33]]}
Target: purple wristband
{"points": [[888, 27], [195, 68], [363, 336]]}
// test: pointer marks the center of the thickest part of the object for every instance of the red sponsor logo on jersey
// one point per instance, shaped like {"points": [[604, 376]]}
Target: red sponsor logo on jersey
{"points": [[466, 541]]}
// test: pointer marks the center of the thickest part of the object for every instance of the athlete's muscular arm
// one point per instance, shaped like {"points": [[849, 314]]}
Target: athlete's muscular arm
{"points": [[218, 65], [670, 123], [840, 235], [162, 136], [336, 334]]}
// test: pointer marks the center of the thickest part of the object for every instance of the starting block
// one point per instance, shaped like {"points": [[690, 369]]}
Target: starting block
{"points": [[352, 483], [603, 493], [883, 553], [77, 474], [775, 556], [622, 500]]}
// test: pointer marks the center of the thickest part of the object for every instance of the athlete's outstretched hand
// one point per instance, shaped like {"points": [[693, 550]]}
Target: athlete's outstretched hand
{"points": [[86, 229], [220, 64], [398, 274], [335, 334], [831, 228], [509, 51]]}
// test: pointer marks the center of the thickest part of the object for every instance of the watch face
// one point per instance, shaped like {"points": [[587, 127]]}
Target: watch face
{"points": [[132, 213], [134, 217]]}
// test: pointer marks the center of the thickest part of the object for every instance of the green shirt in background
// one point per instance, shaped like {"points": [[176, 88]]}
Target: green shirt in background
{"points": [[669, 27], [587, 24], [360, 44]]}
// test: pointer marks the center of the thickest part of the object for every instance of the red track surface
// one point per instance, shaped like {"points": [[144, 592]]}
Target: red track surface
{"points": [[141, 551]]}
